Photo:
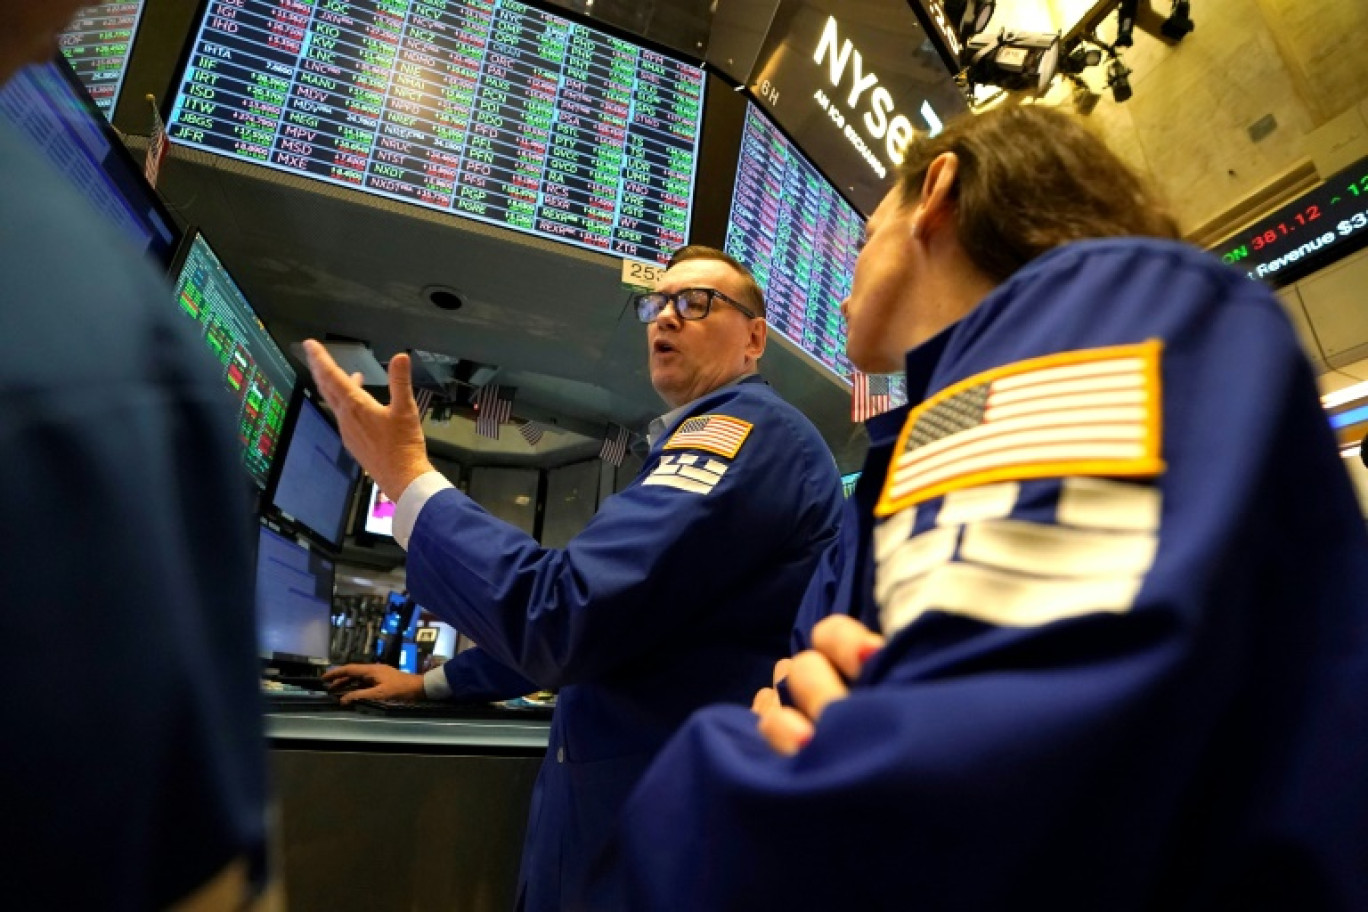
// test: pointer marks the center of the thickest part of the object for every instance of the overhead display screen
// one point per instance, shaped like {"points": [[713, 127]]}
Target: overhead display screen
{"points": [[1307, 234], [852, 81], [798, 236], [255, 370], [96, 44], [491, 110]]}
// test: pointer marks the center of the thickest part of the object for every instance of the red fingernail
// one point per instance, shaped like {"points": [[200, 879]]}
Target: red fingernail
{"points": [[867, 650]]}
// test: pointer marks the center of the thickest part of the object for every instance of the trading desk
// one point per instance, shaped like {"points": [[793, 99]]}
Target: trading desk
{"points": [[384, 813]]}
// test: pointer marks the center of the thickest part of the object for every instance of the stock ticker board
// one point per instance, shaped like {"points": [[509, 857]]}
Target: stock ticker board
{"points": [[96, 43], [492, 110], [798, 236]]}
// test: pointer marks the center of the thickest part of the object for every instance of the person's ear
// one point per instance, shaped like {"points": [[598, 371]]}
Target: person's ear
{"points": [[755, 343], [937, 202]]}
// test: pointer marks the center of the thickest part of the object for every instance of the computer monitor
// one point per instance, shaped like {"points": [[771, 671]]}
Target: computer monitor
{"points": [[499, 112], [294, 587], [254, 369], [313, 481], [848, 483], [46, 102], [97, 43]]}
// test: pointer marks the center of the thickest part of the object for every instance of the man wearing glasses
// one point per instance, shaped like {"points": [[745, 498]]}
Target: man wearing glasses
{"points": [[680, 592]]}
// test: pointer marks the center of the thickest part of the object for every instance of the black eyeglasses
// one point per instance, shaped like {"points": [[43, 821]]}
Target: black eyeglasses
{"points": [[689, 303]]}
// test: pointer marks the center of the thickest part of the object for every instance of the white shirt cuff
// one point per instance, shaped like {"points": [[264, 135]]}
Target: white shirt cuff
{"points": [[411, 503], [435, 685]]}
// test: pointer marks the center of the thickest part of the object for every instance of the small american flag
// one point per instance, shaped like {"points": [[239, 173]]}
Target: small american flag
{"points": [[157, 145], [531, 432], [424, 399], [1095, 413], [720, 434], [614, 447], [493, 410], [870, 396]]}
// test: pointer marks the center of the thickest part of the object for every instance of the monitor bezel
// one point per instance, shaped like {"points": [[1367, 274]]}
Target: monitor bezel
{"points": [[305, 393]]}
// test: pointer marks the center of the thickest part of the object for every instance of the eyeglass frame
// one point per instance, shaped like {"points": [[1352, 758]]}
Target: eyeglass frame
{"points": [[672, 299]]}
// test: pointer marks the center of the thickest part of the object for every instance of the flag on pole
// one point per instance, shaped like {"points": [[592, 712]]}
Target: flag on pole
{"points": [[531, 431], [614, 445], [493, 410], [870, 396], [157, 145], [424, 399]]}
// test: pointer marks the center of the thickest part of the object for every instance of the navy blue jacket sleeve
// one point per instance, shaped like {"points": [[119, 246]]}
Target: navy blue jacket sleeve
{"points": [[1192, 749], [474, 675], [653, 560]]}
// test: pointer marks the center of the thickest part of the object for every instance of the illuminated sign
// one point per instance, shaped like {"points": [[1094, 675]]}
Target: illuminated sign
{"points": [[1312, 232], [853, 89]]}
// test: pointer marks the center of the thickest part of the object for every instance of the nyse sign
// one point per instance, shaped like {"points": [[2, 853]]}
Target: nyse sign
{"points": [[853, 97]]}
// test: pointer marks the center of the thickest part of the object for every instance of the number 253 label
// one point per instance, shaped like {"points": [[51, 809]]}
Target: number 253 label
{"points": [[637, 274]]}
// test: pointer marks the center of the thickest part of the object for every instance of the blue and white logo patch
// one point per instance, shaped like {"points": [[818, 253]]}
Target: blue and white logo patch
{"points": [[691, 472]]}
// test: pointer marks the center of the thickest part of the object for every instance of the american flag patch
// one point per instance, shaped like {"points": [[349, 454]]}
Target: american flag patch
{"points": [[1093, 412], [720, 434]]}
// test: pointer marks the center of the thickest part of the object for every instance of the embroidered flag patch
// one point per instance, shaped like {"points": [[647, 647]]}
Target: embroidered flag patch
{"points": [[720, 434], [687, 472], [1091, 412]]}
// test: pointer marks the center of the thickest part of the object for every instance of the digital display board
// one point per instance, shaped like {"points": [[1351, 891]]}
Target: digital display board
{"points": [[46, 103], [491, 110], [853, 81], [97, 43], [1318, 228], [798, 237], [255, 370]]}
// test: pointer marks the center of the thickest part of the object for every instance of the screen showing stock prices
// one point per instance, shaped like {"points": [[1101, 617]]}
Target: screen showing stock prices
{"points": [[255, 370], [798, 236], [1307, 234], [96, 44], [47, 103], [491, 110]]}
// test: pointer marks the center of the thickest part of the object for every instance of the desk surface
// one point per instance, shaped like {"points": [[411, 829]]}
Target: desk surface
{"points": [[344, 726]]}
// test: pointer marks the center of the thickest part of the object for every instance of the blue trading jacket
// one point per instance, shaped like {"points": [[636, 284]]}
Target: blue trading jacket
{"points": [[1123, 577], [134, 762], [680, 592]]}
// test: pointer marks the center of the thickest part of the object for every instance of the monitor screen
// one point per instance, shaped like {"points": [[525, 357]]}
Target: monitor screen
{"points": [[294, 589], [379, 513], [254, 368], [798, 236], [316, 475], [96, 43], [492, 110], [47, 103]]}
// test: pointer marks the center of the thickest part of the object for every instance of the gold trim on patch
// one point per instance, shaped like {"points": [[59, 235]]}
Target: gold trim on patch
{"points": [[1147, 465], [743, 427]]}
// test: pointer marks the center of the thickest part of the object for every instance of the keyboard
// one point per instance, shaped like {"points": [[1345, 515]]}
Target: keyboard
{"points": [[442, 709]]}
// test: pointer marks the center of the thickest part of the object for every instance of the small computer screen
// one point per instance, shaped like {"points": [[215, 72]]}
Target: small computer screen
{"points": [[379, 512], [254, 369], [317, 475], [47, 103], [97, 43], [848, 483], [293, 600]]}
